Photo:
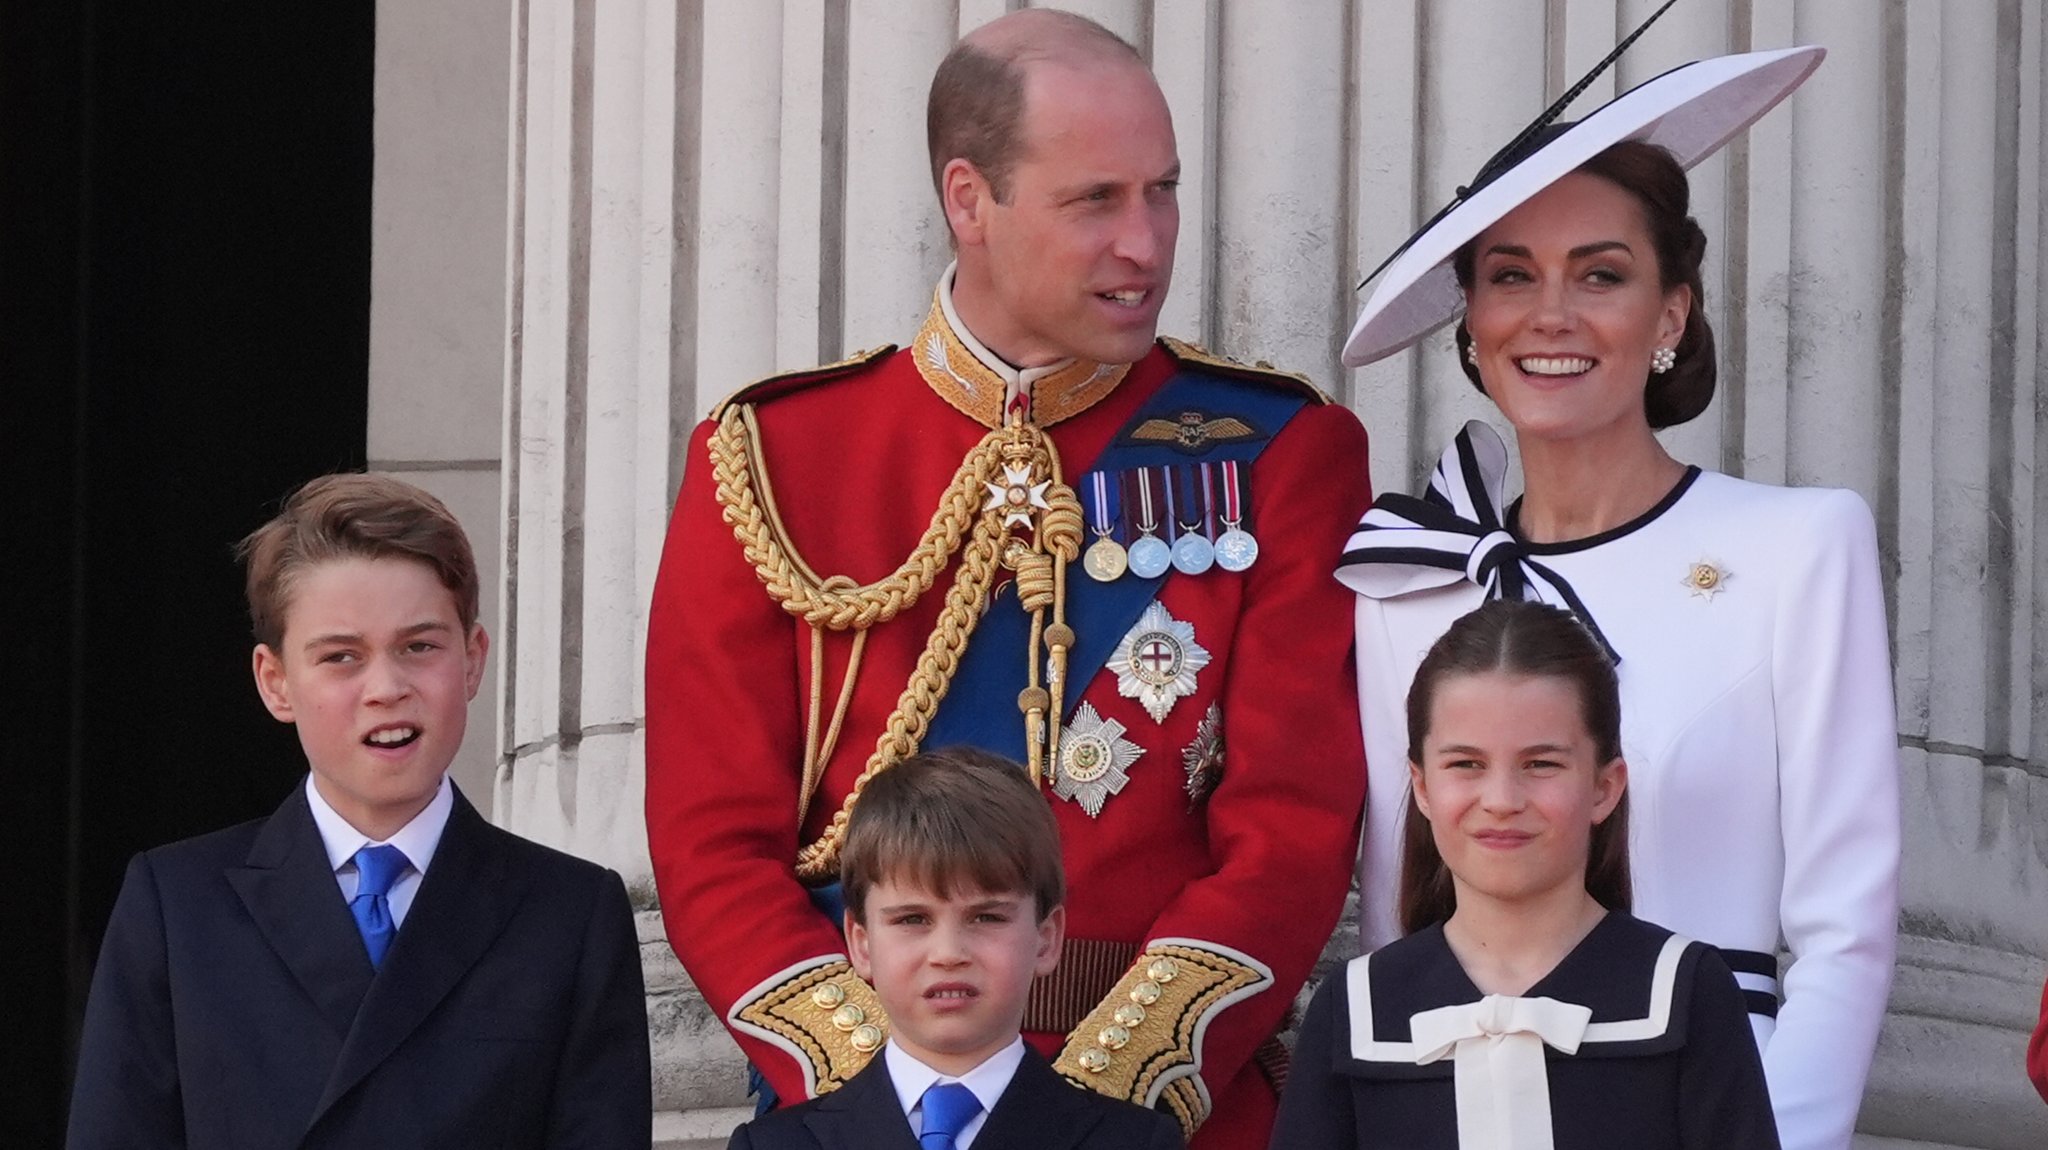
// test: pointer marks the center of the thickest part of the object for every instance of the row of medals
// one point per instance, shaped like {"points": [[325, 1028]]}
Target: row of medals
{"points": [[1191, 554]]}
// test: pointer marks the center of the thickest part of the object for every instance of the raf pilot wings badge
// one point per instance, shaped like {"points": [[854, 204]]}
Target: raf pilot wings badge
{"points": [[1194, 431]]}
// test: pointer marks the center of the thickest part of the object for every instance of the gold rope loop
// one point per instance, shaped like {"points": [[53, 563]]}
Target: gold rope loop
{"points": [[1034, 580], [747, 502], [837, 603]]}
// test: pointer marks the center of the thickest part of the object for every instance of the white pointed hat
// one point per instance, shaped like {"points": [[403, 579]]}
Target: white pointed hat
{"points": [[1691, 111]]}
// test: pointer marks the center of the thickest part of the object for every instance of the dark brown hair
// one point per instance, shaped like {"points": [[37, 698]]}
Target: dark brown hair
{"points": [[1653, 177], [957, 816], [352, 517], [1524, 639], [977, 96]]}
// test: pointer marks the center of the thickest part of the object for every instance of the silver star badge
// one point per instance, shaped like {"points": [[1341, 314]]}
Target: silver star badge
{"points": [[1016, 496], [1093, 758], [1157, 660]]}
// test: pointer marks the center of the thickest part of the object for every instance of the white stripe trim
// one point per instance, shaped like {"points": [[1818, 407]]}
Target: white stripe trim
{"points": [[1194, 1069], [1762, 982], [760, 989], [1365, 1047]]}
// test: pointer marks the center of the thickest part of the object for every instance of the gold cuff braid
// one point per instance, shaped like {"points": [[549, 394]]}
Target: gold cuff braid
{"points": [[829, 1014], [1145, 1029]]}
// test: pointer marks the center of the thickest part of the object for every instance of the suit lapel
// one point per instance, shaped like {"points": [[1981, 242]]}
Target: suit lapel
{"points": [[1038, 1111], [864, 1114], [462, 906], [289, 890]]}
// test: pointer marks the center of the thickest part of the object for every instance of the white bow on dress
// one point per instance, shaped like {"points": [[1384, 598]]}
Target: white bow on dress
{"points": [[1503, 1087]]}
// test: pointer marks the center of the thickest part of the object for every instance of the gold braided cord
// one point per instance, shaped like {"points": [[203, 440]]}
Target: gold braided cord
{"points": [[748, 506], [747, 502], [920, 698], [818, 753]]}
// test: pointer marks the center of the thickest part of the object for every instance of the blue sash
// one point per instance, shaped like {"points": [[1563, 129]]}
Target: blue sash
{"points": [[980, 707]]}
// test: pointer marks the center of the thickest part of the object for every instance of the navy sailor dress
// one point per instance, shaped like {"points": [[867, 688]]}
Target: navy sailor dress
{"points": [[1638, 1039]]}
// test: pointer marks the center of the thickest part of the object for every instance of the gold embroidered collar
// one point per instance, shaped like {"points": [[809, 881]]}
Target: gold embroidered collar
{"points": [[959, 370]]}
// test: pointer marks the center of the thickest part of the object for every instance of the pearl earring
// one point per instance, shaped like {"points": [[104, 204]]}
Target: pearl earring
{"points": [[1663, 360], [1472, 354]]}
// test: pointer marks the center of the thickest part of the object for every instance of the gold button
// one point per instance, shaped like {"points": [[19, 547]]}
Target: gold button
{"points": [[1145, 993], [848, 1016], [1113, 1037], [867, 1038], [1705, 576], [828, 996], [1162, 970], [1094, 1060], [1130, 1014]]}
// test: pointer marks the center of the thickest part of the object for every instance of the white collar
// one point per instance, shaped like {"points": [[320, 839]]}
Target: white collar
{"points": [[988, 1080], [1015, 380], [418, 839]]}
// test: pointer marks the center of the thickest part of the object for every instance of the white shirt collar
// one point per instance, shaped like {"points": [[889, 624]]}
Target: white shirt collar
{"points": [[988, 1080], [418, 839], [1015, 380]]}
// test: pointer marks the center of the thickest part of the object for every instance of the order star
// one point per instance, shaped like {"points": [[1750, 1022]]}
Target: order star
{"points": [[1016, 495]]}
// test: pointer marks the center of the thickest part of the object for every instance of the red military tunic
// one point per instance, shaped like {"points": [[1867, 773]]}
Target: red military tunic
{"points": [[1247, 880]]}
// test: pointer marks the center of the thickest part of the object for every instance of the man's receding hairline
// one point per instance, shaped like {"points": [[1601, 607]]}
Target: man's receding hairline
{"points": [[1032, 35]]}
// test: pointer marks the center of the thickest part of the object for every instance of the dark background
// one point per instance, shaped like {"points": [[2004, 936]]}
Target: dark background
{"points": [[184, 335]]}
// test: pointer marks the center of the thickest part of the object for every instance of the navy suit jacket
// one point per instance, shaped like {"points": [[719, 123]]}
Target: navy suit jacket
{"points": [[234, 1005], [1039, 1110]]}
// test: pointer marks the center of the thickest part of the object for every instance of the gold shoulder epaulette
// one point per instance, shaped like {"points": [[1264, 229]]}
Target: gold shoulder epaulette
{"points": [[788, 381], [1260, 372]]}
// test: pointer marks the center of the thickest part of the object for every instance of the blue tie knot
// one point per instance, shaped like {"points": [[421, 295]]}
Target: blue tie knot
{"points": [[948, 1108], [377, 868]]}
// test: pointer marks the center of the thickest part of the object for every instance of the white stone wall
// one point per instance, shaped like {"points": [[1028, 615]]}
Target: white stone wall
{"points": [[437, 292], [701, 193]]}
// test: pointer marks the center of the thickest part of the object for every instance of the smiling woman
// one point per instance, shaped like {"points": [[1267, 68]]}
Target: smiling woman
{"points": [[1746, 621]]}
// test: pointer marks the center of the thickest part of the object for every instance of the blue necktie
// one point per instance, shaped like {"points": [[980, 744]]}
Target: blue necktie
{"points": [[948, 1108], [376, 869]]}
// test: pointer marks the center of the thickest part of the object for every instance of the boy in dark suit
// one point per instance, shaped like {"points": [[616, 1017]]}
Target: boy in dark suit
{"points": [[954, 891], [373, 964]]}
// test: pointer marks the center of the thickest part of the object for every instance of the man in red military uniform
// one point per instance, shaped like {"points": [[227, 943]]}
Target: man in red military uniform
{"points": [[1038, 530]]}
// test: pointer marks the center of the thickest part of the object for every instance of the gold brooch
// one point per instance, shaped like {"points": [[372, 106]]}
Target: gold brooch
{"points": [[1706, 579]]}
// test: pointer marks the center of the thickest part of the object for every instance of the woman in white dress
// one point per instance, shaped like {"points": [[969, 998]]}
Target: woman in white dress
{"points": [[1747, 620]]}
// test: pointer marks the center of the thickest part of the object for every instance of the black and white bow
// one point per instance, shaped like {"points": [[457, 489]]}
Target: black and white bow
{"points": [[1456, 530]]}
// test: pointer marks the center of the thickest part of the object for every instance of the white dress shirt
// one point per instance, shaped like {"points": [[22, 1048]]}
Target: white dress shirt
{"points": [[988, 1081], [417, 840]]}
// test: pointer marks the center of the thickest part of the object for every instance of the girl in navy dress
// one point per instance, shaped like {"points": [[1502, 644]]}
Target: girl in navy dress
{"points": [[1524, 1009]]}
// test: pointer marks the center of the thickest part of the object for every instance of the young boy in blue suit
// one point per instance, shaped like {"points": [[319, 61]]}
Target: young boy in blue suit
{"points": [[953, 885], [374, 964]]}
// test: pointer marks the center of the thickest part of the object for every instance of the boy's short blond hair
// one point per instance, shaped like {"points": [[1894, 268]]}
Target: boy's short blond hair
{"points": [[958, 816], [353, 516]]}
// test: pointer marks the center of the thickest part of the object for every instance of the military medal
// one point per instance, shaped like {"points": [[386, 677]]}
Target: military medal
{"points": [[1150, 557], [1235, 548], [1192, 551], [1105, 560], [1157, 660], [1094, 756], [1016, 496], [1203, 757]]}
